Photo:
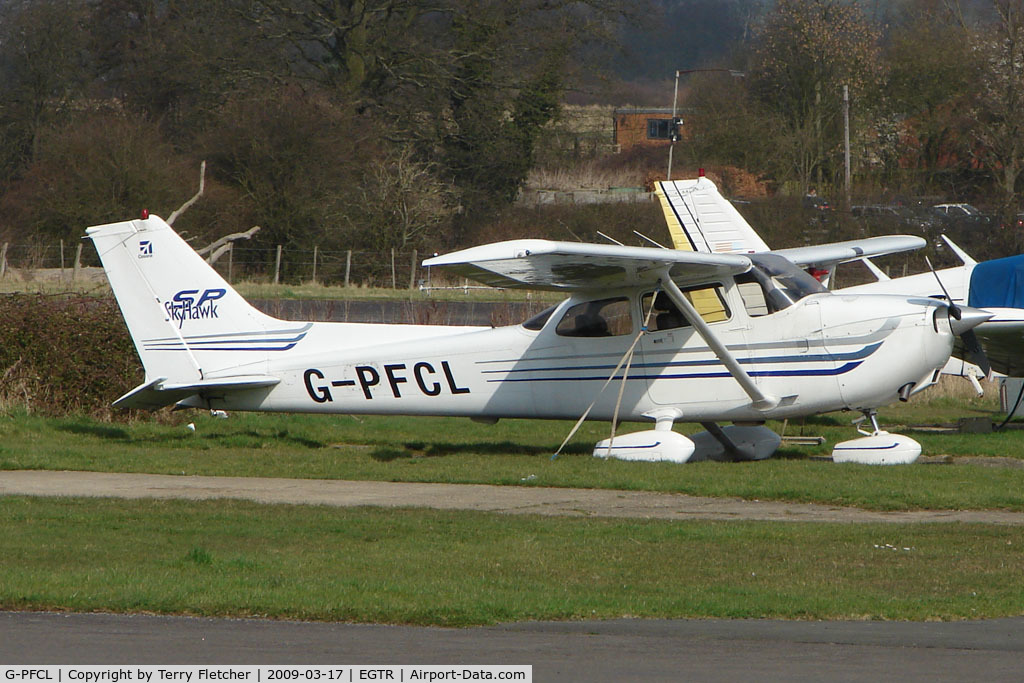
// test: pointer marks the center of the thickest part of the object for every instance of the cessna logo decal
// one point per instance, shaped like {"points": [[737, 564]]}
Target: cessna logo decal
{"points": [[429, 380], [189, 304]]}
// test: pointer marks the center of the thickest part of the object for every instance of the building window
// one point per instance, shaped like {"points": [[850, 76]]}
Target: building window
{"points": [[659, 129]]}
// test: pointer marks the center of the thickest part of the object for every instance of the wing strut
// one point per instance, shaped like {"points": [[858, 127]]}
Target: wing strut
{"points": [[760, 400]]}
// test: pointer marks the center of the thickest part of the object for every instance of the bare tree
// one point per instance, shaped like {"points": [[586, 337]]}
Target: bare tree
{"points": [[405, 202], [999, 129], [808, 50]]}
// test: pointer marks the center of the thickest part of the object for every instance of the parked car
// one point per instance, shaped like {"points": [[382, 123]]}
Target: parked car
{"points": [[884, 218], [962, 215]]}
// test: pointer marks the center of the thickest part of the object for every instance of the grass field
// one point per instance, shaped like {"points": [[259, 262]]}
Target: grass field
{"points": [[234, 558], [518, 452], [225, 558], [95, 283]]}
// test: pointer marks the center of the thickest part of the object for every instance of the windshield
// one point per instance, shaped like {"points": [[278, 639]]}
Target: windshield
{"points": [[538, 321], [783, 283]]}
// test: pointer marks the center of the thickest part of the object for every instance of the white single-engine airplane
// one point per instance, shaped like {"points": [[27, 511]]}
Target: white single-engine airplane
{"points": [[770, 343]]}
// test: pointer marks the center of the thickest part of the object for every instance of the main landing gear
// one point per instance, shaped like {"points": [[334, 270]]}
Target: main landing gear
{"points": [[877, 447], [661, 444], [748, 442]]}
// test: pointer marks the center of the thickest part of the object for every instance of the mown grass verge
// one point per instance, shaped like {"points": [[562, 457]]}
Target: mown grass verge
{"points": [[229, 558], [454, 290], [513, 452]]}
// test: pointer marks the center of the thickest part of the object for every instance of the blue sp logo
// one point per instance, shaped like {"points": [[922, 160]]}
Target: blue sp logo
{"points": [[189, 304], [186, 297]]}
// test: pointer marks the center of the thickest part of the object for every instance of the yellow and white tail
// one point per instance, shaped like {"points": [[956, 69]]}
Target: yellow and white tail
{"points": [[700, 219]]}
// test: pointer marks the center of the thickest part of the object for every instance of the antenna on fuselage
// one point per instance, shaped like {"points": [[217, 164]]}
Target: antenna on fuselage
{"points": [[645, 237], [613, 241]]}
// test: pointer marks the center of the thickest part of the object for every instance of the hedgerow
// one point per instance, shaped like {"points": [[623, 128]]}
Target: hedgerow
{"points": [[62, 354]]}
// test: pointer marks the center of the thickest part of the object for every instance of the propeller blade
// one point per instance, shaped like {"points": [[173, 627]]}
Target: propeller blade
{"points": [[974, 353], [963, 327], [954, 310]]}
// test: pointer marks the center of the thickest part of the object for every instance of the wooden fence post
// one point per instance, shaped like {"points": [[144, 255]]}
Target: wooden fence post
{"points": [[231, 259], [348, 265], [78, 263], [315, 250], [3, 260], [394, 280], [412, 271], [277, 266]]}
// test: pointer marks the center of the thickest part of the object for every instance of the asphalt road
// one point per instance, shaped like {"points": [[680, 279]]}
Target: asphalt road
{"points": [[621, 650]]}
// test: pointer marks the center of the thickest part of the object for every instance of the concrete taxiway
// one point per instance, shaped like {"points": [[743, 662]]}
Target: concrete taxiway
{"points": [[483, 498]]}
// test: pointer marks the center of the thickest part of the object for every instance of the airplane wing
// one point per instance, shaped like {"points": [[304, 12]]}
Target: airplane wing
{"points": [[543, 264], [700, 219], [851, 250]]}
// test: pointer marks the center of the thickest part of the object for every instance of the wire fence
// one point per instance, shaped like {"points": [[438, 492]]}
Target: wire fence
{"points": [[386, 269]]}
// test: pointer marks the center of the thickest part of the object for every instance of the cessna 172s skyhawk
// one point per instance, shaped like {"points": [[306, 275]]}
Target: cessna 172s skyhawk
{"points": [[770, 343]]}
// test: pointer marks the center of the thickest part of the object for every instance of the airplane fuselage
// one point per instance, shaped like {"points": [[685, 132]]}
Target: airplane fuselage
{"points": [[809, 355]]}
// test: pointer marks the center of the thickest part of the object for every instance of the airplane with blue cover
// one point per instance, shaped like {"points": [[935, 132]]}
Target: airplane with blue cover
{"points": [[644, 335]]}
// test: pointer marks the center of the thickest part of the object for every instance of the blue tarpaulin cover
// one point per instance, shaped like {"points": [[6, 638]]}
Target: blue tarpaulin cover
{"points": [[998, 283]]}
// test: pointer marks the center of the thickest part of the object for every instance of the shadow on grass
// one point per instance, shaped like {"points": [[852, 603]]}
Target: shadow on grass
{"points": [[419, 449], [247, 438], [98, 430], [789, 453], [250, 436]]}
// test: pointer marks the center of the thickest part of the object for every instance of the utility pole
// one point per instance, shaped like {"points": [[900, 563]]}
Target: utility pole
{"points": [[676, 122], [672, 144], [846, 143]]}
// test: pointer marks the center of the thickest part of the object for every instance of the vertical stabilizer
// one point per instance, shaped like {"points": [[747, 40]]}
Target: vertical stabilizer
{"points": [[700, 219], [188, 324]]}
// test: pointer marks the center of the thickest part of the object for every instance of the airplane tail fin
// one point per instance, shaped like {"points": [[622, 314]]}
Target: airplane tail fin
{"points": [[190, 327], [700, 219]]}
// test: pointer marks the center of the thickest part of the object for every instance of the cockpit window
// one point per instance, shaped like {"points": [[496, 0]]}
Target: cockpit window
{"points": [[774, 284], [601, 318], [538, 321], [707, 301]]}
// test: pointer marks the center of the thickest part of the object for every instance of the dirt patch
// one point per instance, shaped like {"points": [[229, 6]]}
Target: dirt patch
{"points": [[979, 460]]}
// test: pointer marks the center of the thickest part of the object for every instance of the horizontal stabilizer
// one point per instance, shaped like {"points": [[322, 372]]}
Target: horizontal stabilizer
{"points": [[156, 394], [851, 250]]}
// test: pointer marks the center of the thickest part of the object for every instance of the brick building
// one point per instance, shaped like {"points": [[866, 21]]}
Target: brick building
{"points": [[642, 126]]}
